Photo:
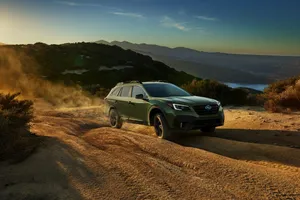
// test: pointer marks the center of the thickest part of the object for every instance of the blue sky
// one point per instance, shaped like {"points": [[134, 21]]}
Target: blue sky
{"points": [[237, 26]]}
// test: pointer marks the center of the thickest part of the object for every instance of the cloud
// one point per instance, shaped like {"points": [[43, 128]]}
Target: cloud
{"points": [[200, 29], [169, 22], [126, 14], [71, 3], [206, 18], [67, 3]]}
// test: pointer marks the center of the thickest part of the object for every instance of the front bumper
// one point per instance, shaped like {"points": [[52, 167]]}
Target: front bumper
{"points": [[192, 122]]}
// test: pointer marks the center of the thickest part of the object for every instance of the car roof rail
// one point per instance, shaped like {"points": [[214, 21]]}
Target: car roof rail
{"points": [[159, 81], [163, 81], [134, 81]]}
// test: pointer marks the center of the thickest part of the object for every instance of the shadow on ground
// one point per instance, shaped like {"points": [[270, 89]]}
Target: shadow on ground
{"points": [[49, 173], [273, 137], [250, 145]]}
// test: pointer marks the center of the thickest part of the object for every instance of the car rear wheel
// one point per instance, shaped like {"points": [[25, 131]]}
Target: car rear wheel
{"points": [[161, 127], [115, 119]]}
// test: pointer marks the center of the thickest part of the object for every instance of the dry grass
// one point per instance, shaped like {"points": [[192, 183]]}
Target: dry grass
{"points": [[283, 100], [19, 73]]}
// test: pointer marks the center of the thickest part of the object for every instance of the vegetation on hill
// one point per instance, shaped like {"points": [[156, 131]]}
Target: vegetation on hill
{"points": [[97, 67], [15, 139], [89, 64], [283, 95], [221, 92]]}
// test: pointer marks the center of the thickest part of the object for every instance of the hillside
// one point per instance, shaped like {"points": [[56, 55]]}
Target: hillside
{"points": [[91, 63], [252, 69], [95, 68]]}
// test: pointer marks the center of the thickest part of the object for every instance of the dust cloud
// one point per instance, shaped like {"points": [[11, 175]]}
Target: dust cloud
{"points": [[18, 73]]}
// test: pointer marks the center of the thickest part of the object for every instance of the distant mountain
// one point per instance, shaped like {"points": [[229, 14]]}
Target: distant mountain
{"points": [[254, 69], [103, 42], [179, 52]]}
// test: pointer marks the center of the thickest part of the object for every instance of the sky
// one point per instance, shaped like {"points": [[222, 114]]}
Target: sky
{"points": [[269, 27]]}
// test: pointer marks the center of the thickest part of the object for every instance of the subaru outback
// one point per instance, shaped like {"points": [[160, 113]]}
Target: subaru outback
{"points": [[163, 105]]}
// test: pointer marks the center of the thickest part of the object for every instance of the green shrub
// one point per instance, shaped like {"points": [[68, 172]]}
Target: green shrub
{"points": [[14, 113], [15, 116], [207, 88], [221, 92]]}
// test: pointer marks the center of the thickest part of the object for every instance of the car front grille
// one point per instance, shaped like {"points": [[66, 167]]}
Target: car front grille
{"points": [[203, 109]]}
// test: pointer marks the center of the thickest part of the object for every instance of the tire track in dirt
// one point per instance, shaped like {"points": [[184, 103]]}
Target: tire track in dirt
{"points": [[99, 162]]}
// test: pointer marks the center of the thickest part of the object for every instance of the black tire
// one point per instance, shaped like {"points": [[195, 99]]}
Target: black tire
{"points": [[161, 127], [208, 130], [115, 120]]}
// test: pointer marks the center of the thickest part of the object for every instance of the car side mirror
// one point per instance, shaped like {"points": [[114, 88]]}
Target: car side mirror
{"points": [[139, 96]]}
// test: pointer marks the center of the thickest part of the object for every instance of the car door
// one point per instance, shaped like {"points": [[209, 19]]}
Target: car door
{"points": [[124, 102], [138, 107]]}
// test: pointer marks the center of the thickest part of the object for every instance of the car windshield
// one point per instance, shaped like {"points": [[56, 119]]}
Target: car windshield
{"points": [[164, 90]]}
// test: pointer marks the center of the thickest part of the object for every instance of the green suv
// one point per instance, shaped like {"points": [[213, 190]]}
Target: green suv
{"points": [[163, 105]]}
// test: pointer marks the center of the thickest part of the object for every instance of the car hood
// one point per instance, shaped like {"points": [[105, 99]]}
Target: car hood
{"points": [[190, 100]]}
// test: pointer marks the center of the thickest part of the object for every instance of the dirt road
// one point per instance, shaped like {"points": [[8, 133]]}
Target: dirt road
{"points": [[256, 155]]}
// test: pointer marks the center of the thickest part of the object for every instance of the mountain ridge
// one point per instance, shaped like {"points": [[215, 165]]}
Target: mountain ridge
{"points": [[225, 67], [115, 42]]}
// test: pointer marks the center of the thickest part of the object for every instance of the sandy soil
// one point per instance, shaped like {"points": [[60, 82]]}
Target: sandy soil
{"points": [[256, 155]]}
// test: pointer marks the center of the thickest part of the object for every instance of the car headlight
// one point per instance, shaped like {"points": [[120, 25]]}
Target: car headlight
{"points": [[220, 106], [179, 107]]}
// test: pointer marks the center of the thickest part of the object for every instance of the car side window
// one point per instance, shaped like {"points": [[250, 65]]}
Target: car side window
{"points": [[125, 91], [137, 90], [115, 92]]}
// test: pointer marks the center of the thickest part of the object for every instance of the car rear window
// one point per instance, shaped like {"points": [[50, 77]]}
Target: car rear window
{"points": [[115, 92], [125, 91]]}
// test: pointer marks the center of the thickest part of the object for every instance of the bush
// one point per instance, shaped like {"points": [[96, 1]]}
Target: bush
{"points": [[283, 95], [221, 92], [271, 105], [15, 116]]}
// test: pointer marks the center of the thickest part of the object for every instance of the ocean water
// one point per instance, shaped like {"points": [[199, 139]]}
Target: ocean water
{"points": [[259, 87]]}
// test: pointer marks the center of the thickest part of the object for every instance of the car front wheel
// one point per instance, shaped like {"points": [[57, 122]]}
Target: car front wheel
{"points": [[161, 127]]}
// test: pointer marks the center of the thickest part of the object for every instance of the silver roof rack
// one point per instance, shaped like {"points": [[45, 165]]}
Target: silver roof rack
{"points": [[124, 82]]}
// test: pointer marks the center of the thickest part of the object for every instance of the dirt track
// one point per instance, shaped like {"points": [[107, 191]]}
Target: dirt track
{"points": [[256, 155]]}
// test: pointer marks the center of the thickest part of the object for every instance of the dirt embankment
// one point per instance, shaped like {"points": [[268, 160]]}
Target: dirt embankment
{"points": [[254, 156]]}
